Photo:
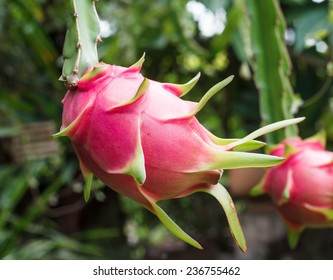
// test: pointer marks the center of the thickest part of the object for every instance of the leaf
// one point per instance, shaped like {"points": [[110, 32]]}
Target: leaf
{"points": [[223, 197], [266, 129], [181, 89], [328, 213], [293, 237], [87, 186], [169, 223], [244, 147], [231, 160], [320, 136], [287, 188], [211, 92], [289, 150], [136, 67], [136, 167], [258, 189]]}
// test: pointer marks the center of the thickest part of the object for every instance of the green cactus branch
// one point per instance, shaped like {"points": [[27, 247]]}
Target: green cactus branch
{"points": [[82, 36], [271, 63]]}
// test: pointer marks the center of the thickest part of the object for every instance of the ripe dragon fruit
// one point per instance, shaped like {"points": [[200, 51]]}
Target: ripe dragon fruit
{"points": [[143, 141], [302, 186]]}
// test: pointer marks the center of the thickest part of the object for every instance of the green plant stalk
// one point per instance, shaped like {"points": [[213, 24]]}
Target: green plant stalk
{"points": [[271, 63], [80, 46]]}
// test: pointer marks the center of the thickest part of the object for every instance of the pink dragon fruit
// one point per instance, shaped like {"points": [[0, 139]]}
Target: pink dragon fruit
{"points": [[143, 141], [302, 186]]}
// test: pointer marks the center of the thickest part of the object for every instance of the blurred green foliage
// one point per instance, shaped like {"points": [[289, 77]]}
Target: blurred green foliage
{"points": [[42, 212]]}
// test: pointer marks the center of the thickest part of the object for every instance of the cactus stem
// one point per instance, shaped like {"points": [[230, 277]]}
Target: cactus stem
{"points": [[80, 47]]}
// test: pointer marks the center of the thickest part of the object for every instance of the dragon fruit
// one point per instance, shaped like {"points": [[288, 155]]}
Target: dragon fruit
{"points": [[143, 141], [302, 186]]}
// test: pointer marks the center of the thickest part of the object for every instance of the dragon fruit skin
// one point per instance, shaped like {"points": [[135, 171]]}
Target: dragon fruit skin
{"points": [[143, 141], [131, 130], [302, 186]]}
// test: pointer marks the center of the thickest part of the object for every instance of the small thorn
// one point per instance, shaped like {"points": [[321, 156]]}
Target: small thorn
{"points": [[99, 39], [70, 86], [79, 45]]}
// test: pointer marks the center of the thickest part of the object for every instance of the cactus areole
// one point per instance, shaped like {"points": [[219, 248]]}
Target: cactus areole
{"points": [[143, 141]]}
